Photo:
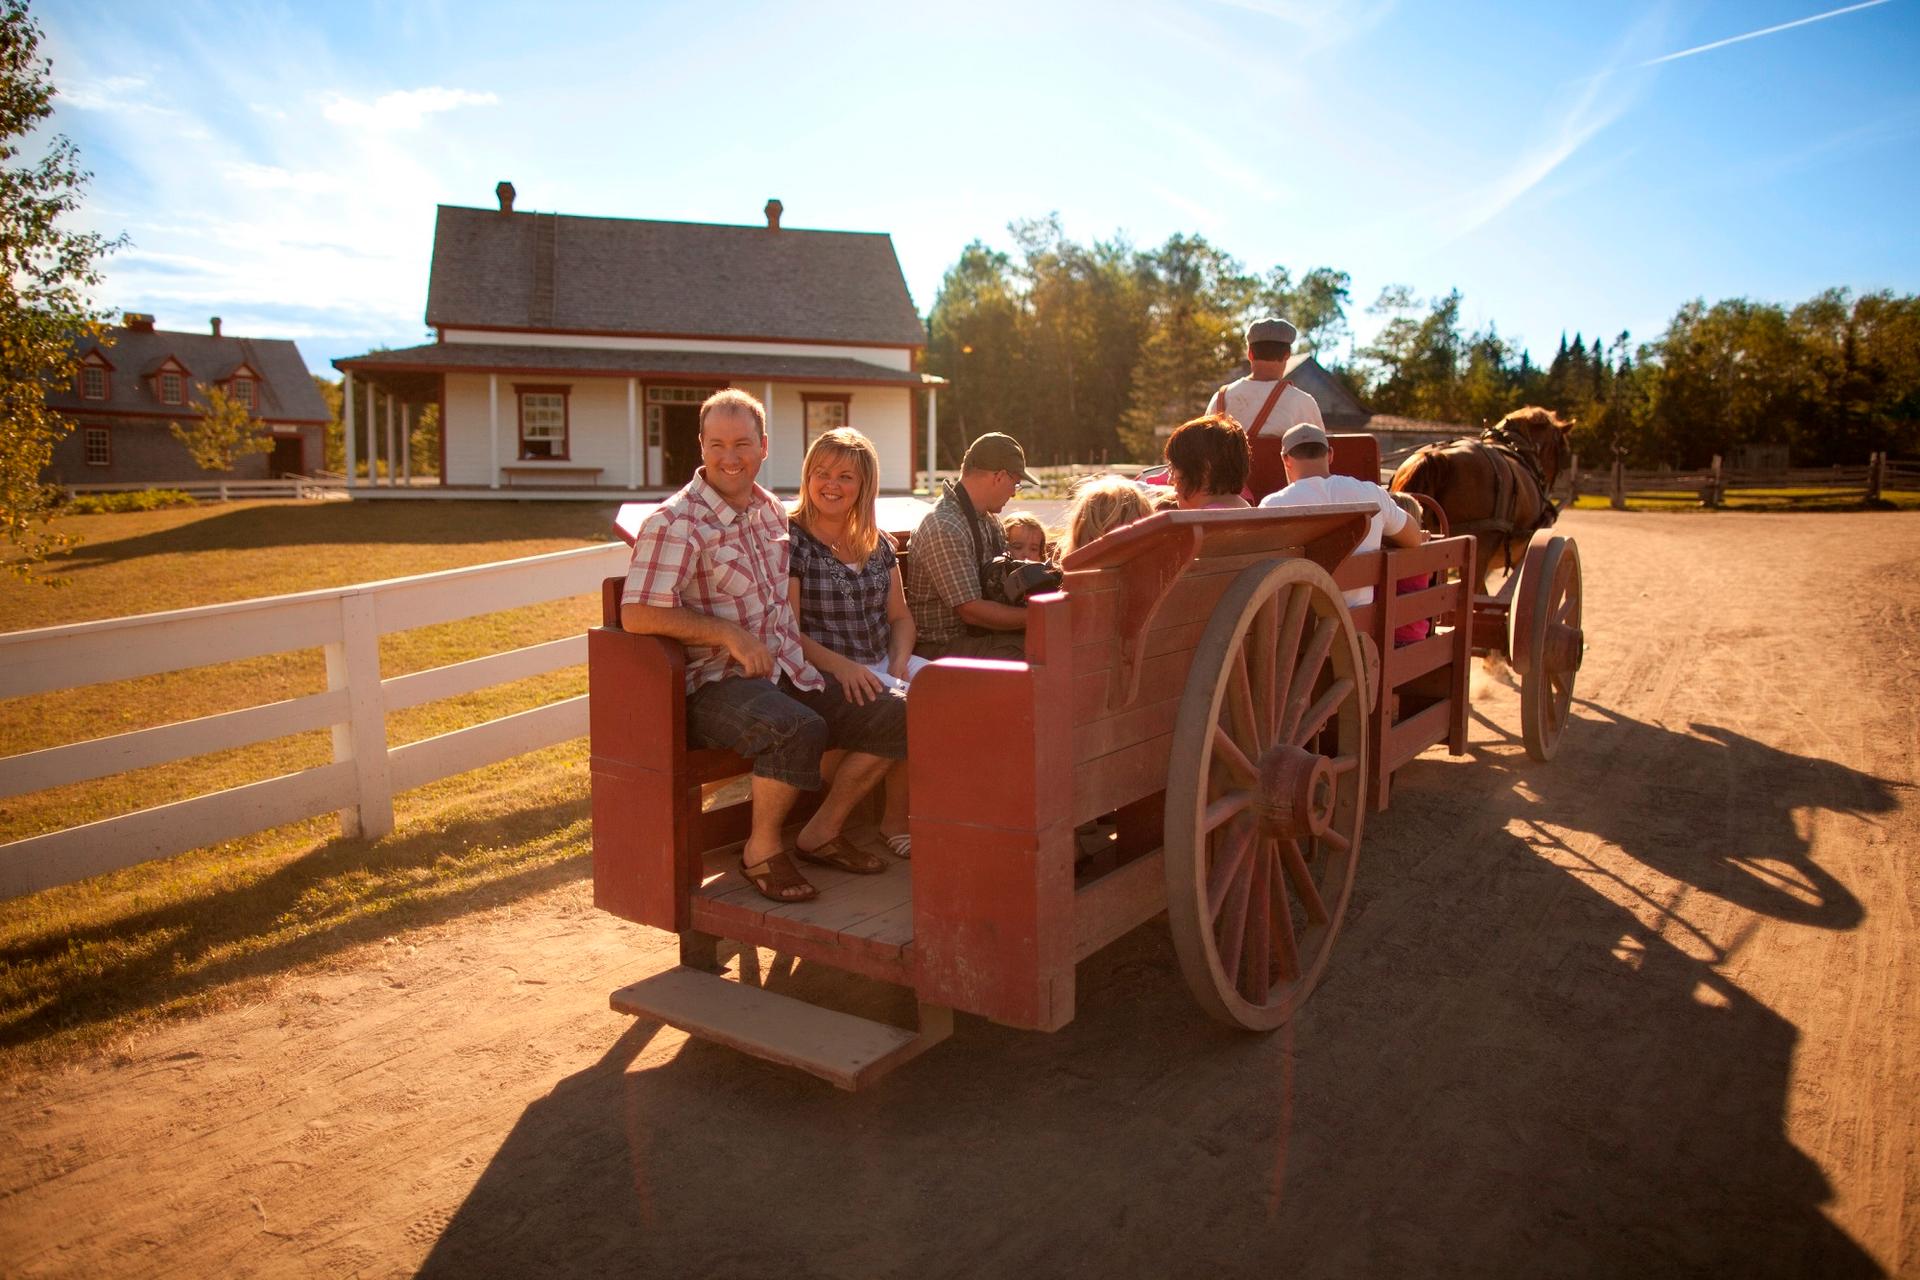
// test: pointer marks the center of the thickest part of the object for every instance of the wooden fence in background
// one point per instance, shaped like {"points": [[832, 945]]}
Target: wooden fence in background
{"points": [[1712, 484], [365, 774]]}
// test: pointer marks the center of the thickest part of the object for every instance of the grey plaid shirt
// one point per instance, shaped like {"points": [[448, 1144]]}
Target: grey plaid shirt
{"points": [[942, 573]]}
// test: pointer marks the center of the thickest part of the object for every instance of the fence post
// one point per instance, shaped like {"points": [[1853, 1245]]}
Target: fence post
{"points": [[223, 491], [1876, 474], [1618, 494], [354, 665]]}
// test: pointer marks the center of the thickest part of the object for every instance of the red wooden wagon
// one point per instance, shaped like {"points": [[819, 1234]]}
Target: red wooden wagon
{"points": [[1198, 686]]}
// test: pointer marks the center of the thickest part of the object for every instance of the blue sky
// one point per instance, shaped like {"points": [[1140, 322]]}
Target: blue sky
{"points": [[1566, 166]]}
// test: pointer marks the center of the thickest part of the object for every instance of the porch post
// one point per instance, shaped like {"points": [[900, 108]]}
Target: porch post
{"points": [[933, 428], [633, 433], [406, 443], [393, 458], [493, 429], [373, 440], [347, 426]]}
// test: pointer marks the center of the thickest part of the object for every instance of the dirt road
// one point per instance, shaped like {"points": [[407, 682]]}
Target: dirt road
{"points": [[1649, 1009]]}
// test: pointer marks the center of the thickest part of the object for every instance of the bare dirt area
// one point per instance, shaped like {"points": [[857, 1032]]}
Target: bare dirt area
{"points": [[1651, 1009]]}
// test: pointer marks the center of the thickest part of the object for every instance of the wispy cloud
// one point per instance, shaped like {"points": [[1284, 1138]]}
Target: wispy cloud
{"points": [[1764, 31], [403, 108], [1321, 25]]}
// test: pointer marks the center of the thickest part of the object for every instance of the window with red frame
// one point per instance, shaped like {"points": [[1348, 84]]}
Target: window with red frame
{"points": [[173, 388], [823, 413], [99, 444], [243, 391], [543, 422], [93, 382]]}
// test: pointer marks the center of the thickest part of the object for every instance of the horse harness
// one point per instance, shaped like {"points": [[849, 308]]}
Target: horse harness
{"points": [[1503, 439]]}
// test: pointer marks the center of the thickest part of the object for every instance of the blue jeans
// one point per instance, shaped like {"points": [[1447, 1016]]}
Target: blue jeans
{"points": [[784, 729]]}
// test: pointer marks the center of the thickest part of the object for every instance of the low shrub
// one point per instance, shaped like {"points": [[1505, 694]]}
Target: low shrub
{"points": [[96, 504]]}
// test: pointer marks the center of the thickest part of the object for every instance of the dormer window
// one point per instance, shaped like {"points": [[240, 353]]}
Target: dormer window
{"points": [[243, 391], [93, 383], [173, 388]]}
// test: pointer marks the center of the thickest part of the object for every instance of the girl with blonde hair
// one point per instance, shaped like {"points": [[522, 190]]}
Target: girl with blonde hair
{"points": [[1100, 506], [846, 592]]}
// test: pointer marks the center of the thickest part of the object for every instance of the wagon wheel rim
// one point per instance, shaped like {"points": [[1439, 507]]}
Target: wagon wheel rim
{"points": [[1266, 794], [1555, 645]]}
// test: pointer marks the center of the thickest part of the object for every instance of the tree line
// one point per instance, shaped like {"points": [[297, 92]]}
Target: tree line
{"points": [[1081, 351]]}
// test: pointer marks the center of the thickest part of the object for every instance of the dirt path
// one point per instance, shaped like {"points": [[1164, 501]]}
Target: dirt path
{"points": [[1649, 1009]]}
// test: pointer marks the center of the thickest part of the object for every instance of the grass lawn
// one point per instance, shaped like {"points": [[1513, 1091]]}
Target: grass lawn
{"points": [[84, 963], [1754, 500]]}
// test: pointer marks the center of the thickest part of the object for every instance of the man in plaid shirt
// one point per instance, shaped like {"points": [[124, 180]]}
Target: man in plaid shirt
{"points": [[710, 569], [950, 615]]}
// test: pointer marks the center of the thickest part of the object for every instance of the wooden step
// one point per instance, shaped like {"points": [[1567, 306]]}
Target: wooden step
{"points": [[840, 1048]]}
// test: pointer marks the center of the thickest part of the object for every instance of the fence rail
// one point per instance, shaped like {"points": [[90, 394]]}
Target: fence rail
{"points": [[365, 774], [1714, 482], [225, 490]]}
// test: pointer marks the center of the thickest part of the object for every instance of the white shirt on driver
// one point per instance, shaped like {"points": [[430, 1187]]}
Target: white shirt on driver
{"points": [[1244, 398], [1319, 491]]}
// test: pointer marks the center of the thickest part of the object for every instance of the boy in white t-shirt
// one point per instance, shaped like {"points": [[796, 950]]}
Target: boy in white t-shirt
{"points": [[1311, 483]]}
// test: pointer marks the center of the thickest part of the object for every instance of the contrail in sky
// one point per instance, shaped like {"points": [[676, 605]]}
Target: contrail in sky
{"points": [[1764, 31]]}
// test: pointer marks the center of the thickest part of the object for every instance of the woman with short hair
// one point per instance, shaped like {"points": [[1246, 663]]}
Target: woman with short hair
{"points": [[1208, 462]]}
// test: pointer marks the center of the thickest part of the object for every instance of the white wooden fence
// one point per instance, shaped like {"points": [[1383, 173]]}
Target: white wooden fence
{"points": [[365, 773], [227, 490]]}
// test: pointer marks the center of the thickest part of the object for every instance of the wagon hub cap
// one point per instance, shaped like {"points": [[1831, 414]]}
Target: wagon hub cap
{"points": [[1296, 795], [1565, 647]]}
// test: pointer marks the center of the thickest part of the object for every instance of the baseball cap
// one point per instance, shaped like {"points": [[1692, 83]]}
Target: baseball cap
{"points": [[998, 452], [1302, 433]]}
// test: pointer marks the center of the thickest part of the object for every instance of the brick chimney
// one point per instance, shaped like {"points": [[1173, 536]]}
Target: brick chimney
{"points": [[138, 322], [504, 193], [774, 210], [215, 324]]}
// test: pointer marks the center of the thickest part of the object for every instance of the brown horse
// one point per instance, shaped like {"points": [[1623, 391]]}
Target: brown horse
{"points": [[1495, 488]]}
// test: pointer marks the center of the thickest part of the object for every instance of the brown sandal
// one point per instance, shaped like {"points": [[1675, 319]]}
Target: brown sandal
{"points": [[841, 856], [778, 879]]}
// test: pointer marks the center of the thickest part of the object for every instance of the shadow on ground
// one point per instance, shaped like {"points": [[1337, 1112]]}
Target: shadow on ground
{"points": [[1505, 1073], [316, 904], [354, 523]]}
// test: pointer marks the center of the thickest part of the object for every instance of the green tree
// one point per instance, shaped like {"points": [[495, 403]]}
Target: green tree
{"points": [[334, 453], [46, 273], [225, 432], [1200, 298]]}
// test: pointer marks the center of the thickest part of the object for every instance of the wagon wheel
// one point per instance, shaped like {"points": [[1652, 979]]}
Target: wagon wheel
{"points": [[1266, 793], [1544, 641]]}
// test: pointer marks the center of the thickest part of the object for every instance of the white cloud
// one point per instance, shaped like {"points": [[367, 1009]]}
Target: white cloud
{"points": [[1763, 31], [269, 177], [403, 108], [121, 94]]}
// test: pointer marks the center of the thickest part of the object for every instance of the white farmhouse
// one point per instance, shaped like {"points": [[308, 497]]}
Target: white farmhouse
{"points": [[571, 354]]}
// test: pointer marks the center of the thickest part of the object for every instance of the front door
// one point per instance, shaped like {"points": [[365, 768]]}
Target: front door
{"points": [[289, 457], [679, 442]]}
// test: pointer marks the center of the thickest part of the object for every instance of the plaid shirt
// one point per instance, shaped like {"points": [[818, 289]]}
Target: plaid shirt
{"points": [[696, 552], [942, 573], [841, 608]]}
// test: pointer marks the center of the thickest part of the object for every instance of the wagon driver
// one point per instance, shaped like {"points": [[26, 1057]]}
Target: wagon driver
{"points": [[1265, 398], [710, 569]]}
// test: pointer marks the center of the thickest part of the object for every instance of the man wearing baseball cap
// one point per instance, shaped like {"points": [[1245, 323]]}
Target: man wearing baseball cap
{"points": [[1265, 398], [950, 613], [1311, 483]]}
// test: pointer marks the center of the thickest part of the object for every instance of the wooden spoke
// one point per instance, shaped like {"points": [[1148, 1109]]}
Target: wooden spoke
{"points": [[1316, 719], [1261, 639], [1233, 914], [1302, 878], [1339, 842], [1227, 806], [1565, 608], [1343, 764], [1287, 650], [1246, 729], [1227, 867], [1228, 752], [1307, 674], [1259, 920], [1286, 946]]}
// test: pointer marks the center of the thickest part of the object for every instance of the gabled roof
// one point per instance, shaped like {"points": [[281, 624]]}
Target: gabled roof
{"points": [[286, 390], [562, 273]]}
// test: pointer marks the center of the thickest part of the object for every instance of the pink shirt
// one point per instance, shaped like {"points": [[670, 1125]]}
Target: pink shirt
{"points": [[696, 552]]}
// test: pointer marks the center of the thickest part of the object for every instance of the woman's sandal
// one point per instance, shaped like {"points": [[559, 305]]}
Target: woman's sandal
{"points": [[841, 856], [901, 845], [777, 878]]}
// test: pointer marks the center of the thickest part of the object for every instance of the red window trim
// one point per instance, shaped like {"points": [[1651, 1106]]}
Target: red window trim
{"points": [[253, 390], [181, 371], [565, 392], [106, 380], [85, 454], [808, 399]]}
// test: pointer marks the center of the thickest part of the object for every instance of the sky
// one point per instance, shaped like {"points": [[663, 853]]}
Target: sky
{"points": [[1567, 167]]}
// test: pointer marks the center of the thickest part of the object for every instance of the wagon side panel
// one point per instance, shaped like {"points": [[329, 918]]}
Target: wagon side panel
{"points": [[991, 778], [636, 727]]}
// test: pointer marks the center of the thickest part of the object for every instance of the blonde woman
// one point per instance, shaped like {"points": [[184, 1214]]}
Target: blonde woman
{"points": [[846, 592], [1101, 505]]}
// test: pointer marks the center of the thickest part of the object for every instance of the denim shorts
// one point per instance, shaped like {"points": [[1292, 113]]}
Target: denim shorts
{"points": [[783, 729]]}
